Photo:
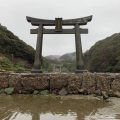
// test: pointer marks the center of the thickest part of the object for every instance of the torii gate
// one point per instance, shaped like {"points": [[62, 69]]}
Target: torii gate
{"points": [[58, 23]]}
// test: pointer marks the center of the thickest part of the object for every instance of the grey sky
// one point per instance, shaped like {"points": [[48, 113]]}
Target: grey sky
{"points": [[106, 20]]}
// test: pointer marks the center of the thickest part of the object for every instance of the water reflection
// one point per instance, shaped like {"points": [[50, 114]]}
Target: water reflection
{"points": [[49, 116], [107, 113], [20, 116], [23, 107]]}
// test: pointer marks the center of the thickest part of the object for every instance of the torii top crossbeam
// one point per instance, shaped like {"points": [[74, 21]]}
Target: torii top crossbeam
{"points": [[80, 21]]}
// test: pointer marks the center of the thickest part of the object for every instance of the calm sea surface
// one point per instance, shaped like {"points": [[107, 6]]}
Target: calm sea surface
{"points": [[28, 107]]}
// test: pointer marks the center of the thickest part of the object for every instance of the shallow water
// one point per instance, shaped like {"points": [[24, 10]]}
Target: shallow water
{"points": [[28, 107]]}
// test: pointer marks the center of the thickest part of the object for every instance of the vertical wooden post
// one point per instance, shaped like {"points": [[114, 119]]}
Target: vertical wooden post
{"points": [[37, 67], [79, 54]]}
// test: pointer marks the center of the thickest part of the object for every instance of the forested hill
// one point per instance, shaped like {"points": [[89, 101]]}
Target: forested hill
{"points": [[104, 56], [11, 44]]}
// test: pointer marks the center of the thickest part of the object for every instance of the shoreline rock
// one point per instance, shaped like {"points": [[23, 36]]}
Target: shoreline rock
{"points": [[62, 84]]}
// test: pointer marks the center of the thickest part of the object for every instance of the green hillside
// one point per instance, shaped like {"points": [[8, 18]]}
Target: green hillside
{"points": [[104, 56], [14, 53], [11, 44]]}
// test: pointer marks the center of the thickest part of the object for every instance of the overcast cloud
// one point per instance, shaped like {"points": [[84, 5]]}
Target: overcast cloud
{"points": [[106, 20]]}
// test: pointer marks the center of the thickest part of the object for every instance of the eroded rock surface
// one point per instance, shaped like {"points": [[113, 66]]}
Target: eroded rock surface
{"points": [[84, 83]]}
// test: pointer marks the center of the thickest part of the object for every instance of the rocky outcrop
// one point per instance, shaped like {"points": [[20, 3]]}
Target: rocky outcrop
{"points": [[86, 83]]}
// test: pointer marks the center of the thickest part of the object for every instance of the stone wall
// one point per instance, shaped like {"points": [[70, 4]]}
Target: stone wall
{"points": [[86, 83]]}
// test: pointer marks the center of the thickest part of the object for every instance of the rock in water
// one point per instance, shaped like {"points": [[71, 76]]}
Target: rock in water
{"points": [[83, 91], [2, 91], [36, 92], [117, 94], [111, 93], [98, 92], [105, 95], [63, 91], [9, 91], [44, 92]]}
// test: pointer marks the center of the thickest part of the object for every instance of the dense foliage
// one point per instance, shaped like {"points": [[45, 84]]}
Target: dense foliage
{"points": [[6, 64], [104, 56], [12, 45]]}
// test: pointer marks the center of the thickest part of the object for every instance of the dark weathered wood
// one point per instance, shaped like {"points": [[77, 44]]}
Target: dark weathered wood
{"points": [[38, 56], [58, 24], [80, 21], [79, 54], [64, 31]]}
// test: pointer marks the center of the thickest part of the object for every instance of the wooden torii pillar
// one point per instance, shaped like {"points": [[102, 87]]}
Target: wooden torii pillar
{"points": [[58, 23]]}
